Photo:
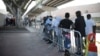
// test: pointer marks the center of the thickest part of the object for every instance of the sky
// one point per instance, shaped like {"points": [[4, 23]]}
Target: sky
{"points": [[2, 6]]}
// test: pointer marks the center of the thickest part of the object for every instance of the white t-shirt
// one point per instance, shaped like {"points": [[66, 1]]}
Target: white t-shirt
{"points": [[56, 21], [55, 24], [89, 26]]}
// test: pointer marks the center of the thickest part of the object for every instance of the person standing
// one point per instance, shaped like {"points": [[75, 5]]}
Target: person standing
{"points": [[90, 25], [48, 29], [90, 28], [55, 27], [80, 27], [66, 24], [7, 21]]}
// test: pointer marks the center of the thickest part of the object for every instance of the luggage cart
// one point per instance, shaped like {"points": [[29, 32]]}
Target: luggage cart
{"points": [[91, 45], [69, 42], [63, 34]]}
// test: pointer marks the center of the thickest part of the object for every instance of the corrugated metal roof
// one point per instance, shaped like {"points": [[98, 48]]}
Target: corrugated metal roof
{"points": [[21, 4], [55, 3]]}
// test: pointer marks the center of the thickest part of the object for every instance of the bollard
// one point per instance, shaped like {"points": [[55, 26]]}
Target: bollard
{"points": [[91, 45]]}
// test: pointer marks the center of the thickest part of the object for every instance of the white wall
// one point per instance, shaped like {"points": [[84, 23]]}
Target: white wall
{"points": [[92, 8], [46, 13], [2, 19]]}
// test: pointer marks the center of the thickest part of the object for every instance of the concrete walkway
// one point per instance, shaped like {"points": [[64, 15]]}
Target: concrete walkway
{"points": [[26, 44]]}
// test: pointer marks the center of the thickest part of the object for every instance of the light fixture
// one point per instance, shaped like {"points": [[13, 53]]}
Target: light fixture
{"points": [[27, 4]]}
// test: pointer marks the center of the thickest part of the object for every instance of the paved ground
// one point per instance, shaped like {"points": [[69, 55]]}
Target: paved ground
{"points": [[25, 44]]}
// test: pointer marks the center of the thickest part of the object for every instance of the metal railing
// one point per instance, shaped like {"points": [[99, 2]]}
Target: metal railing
{"points": [[51, 35]]}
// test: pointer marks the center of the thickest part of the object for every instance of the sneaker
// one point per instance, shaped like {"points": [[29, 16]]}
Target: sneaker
{"points": [[61, 51], [67, 53], [49, 42], [78, 53]]}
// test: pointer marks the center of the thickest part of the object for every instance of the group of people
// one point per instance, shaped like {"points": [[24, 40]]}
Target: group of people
{"points": [[28, 21], [10, 21], [85, 27]]}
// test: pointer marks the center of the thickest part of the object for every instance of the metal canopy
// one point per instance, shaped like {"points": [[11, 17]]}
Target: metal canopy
{"points": [[12, 5], [49, 5], [55, 3], [35, 12]]}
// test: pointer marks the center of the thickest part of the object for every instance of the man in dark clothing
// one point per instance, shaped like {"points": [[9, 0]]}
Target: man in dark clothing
{"points": [[79, 26], [66, 24], [44, 20], [7, 21]]}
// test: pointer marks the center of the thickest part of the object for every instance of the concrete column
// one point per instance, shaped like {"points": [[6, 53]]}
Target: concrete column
{"points": [[18, 18]]}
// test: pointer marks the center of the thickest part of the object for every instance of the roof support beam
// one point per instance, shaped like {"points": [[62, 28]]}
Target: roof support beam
{"points": [[27, 5], [62, 2], [47, 8], [15, 3], [54, 3], [10, 8]]}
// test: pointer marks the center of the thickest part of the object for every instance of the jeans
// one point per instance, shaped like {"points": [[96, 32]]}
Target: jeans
{"points": [[92, 54], [78, 43], [60, 41]]}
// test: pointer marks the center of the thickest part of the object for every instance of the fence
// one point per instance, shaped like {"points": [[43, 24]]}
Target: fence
{"points": [[58, 38]]}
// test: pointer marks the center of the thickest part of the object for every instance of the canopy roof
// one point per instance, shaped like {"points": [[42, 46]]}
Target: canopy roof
{"points": [[12, 5]]}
